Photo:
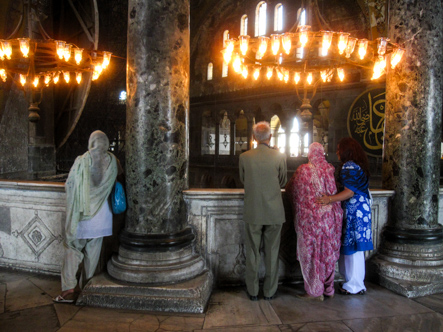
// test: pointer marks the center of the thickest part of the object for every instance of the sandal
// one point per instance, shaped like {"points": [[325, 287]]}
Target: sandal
{"points": [[61, 299]]}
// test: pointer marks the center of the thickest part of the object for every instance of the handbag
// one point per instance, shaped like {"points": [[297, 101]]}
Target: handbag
{"points": [[118, 198]]}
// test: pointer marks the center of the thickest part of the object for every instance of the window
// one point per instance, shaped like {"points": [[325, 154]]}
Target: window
{"points": [[278, 17], [278, 138], [244, 25], [224, 135], [294, 139], [210, 70], [208, 134], [260, 19], [225, 37], [301, 16], [241, 133], [225, 69], [122, 97]]}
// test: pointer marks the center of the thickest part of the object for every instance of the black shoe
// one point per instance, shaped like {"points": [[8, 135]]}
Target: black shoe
{"points": [[269, 298], [252, 297]]}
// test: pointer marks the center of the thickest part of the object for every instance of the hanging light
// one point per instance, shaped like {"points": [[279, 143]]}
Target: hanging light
{"points": [[323, 75], [67, 52], [3, 75], [56, 78], [341, 74], [244, 44], [304, 31], [350, 46], [237, 64], [256, 73], [280, 74], [269, 71], [382, 45], [379, 68], [78, 77], [244, 72], [47, 79], [263, 45], [362, 47], [230, 45], [275, 44], [78, 54], [66, 76], [326, 42], [287, 42], [296, 77], [286, 75], [342, 42], [97, 71], [36, 81], [396, 57], [226, 56], [309, 79], [7, 49], [22, 79], [60, 48], [24, 46], [106, 59]]}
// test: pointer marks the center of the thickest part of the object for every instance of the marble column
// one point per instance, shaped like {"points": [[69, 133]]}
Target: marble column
{"points": [[157, 253], [410, 259]]}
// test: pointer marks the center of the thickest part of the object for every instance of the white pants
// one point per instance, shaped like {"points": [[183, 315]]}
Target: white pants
{"points": [[86, 250], [352, 267]]}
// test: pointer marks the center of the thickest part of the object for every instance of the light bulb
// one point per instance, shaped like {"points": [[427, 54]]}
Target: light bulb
{"points": [[97, 71], [396, 57], [60, 48], [244, 72], [36, 80], [22, 79], [3, 75], [226, 56], [47, 79], [7, 49], [362, 47], [263, 45], [296, 77], [382, 45], [67, 52], [280, 74], [244, 43], [326, 42], [24, 46], [275, 44], [350, 46], [78, 54], [342, 42], [309, 79], [269, 72], [237, 64], [106, 59], [78, 77], [256, 73], [66, 76], [286, 76], [304, 35], [341, 73], [323, 75], [287, 42]]}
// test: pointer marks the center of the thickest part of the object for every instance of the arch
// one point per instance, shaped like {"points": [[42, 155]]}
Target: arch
{"points": [[210, 71], [228, 182], [278, 17], [294, 138], [278, 138], [225, 37], [225, 69], [260, 19], [244, 25]]}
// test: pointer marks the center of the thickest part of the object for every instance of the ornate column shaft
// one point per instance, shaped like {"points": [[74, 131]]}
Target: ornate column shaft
{"points": [[410, 259], [156, 247]]}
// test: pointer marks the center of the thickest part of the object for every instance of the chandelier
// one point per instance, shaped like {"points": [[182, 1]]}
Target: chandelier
{"points": [[33, 64], [306, 58]]}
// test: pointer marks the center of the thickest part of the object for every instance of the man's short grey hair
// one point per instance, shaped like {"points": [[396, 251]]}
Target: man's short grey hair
{"points": [[262, 131]]}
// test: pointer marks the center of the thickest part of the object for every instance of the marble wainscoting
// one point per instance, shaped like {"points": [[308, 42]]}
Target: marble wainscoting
{"points": [[217, 216], [32, 217]]}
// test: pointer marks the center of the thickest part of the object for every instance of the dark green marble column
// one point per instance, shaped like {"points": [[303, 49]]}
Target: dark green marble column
{"points": [[411, 255], [157, 253]]}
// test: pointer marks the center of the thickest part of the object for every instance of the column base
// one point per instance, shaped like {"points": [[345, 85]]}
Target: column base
{"points": [[409, 262], [189, 296]]}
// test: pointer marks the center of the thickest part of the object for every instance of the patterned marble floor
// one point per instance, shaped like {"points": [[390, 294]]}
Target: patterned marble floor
{"points": [[26, 305]]}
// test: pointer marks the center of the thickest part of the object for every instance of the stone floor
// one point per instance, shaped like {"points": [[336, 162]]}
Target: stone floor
{"points": [[26, 305]]}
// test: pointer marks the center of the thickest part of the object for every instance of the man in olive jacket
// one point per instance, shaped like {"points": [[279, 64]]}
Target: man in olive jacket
{"points": [[263, 173]]}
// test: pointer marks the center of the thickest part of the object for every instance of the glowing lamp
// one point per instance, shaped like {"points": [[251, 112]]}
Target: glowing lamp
{"points": [[3, 75], [326, 42], [382, 45], [78, 77], [67, 52], [275, 44], [56, 78], [66, 76], [237, 64], [256, 73], [244, 72], [304, 31], [244, 44], [7, 49], [47, 79], [60, 48], [24, 46], [350, 47], [269, 71], [22, 79], [362, 47], [35, 82], [263, 45], [341, 74], [287, 42], [296, 77], [396, 57], [106, 59], [342, 42], [78, 54], [309, 79]]}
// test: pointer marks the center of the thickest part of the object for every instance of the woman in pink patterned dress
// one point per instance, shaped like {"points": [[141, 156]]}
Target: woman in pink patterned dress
{"points": [[318, 227]]}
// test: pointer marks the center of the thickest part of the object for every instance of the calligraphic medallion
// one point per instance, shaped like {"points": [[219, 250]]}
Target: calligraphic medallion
{"points": [[366, 119]]}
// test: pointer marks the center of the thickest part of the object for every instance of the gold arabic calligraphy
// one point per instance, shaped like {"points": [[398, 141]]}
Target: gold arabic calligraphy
{"points": [[366, 118]]}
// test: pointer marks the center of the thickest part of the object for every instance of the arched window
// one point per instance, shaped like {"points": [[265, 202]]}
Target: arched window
{"points": [[278, 17], [241, 133], [208, 133], [224, 131], [225, 37], [294, 139], [225, 69], [260, 19], [210, 71], [278, 138], [244, 25], [301, 15]]}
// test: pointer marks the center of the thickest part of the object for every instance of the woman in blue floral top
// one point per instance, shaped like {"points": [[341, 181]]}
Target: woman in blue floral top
{"points": [[357, 233]]}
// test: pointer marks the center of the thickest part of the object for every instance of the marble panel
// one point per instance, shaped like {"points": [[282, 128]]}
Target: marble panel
{"points": [[434, 302], [65, 312], [24, 294], [34, 319], [420, 322], [167, 323], [51, 285], [233, 308]]}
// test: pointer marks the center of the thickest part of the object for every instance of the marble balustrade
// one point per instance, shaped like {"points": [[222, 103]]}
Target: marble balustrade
{"points": [[32, 218]]}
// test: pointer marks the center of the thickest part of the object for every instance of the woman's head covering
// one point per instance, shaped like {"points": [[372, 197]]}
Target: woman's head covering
{"points": [[98, 141], [316, 154]]}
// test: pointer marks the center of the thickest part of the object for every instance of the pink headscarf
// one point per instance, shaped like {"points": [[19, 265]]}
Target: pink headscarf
{"points": [[316, 155]]}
